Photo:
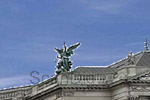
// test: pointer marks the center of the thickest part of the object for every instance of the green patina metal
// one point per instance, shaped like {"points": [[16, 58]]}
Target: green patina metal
{"points": [[64, 63]]}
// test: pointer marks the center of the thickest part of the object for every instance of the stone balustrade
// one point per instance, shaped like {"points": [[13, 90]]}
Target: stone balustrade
{"points": [[85, 78], [14, 93]]}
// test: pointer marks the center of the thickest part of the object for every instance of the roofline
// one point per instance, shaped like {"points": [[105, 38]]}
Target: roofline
{"points": [[124, 59]]}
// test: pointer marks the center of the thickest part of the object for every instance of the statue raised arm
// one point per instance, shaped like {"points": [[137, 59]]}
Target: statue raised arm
{"points": [[64, 63]]}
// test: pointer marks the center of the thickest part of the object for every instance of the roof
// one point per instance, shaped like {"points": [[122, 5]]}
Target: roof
{"points": [[144, 60], [137, 76], [141, 59], [94, 70]]}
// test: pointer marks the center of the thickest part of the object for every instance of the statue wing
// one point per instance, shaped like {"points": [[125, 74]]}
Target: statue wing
{"points": [[70, 49], [59, 50]]}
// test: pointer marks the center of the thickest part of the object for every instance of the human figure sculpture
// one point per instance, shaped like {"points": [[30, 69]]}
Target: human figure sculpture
{"points": [[64, 63]]}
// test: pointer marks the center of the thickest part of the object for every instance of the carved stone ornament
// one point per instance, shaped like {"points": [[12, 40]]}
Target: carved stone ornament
{"points": [[68, 93], [58, 94], [131, 58], [133, 97]]}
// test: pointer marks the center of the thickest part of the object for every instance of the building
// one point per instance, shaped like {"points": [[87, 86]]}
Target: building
{"points": [[128, 79]]}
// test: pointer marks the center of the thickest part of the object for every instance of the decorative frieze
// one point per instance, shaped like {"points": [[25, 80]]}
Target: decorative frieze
{"points": [[64, 93], [139, 88], [145, 77], [68, 93]]}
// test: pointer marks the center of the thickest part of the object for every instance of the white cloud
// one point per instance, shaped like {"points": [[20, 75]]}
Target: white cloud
{"points": [[108, 6], [14, 81], [98, 56], [136, 43]]}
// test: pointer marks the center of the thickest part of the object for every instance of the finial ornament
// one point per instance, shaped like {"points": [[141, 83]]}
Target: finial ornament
{"points": [[64, 63], [146, 46]]}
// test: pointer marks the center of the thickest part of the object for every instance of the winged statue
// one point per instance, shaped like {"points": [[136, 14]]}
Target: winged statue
{"points": [[64, 63]]}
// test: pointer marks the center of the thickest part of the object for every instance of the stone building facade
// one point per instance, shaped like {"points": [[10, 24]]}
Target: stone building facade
{"points": [[128, 79]]}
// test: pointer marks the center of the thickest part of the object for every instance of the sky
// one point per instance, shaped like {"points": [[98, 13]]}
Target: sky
{"points": [[30, 30]]}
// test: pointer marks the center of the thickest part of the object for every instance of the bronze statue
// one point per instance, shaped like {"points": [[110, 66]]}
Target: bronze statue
{"points": [[64, 63]]}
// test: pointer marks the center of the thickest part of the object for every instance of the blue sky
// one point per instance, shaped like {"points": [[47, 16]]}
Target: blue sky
{"points": [[31, 29]]}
